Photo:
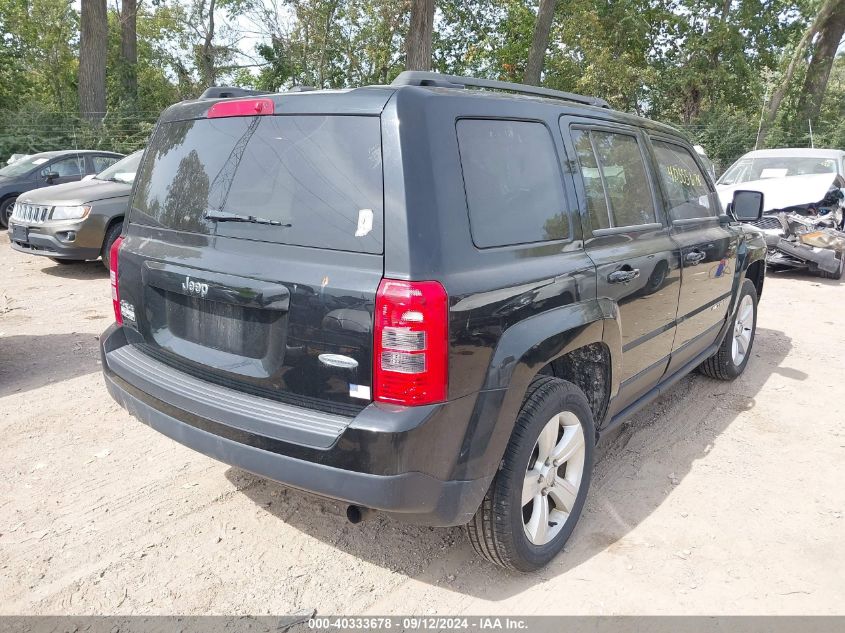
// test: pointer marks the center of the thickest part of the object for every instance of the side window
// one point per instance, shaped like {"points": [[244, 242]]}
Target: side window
{"points": [[684, 184], [596, 199], [73, 166], [102, 162], [615, 179], [513, 182]]}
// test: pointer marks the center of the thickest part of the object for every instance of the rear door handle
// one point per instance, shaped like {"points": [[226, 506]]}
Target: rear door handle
{"points": [[623, 276], [694, 257]]}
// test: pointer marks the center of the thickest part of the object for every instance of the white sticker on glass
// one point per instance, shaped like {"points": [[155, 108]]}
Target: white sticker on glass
{"points": [[359, 391], [365, 222]]}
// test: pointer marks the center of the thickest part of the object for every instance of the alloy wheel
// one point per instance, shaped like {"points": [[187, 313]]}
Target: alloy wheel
{"points": [[553, 478], [742, 331]]}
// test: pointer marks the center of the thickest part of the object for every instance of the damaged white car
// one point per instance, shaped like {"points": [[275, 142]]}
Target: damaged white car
{"points": [[804, 192]]}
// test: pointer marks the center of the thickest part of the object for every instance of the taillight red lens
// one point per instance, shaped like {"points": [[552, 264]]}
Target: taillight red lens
{"points": [[410, 359], [241, 107], [114, 260]]}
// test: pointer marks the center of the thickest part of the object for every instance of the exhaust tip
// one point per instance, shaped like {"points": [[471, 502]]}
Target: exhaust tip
{"points": [[355, 514]]}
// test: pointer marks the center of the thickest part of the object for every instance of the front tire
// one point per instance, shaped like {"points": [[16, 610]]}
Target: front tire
{"points": [[6, 211], [733, 354], [111, 235], [538, 493]]}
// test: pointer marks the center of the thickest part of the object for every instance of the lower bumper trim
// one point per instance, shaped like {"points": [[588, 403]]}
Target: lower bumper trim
{"points": [[414, 497]]}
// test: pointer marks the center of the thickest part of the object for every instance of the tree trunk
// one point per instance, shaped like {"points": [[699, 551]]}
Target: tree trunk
{"points": [[540, 42], [818, 72], [418, 45], [93, 46], [208, 73], [771, 111], [129, 49]]}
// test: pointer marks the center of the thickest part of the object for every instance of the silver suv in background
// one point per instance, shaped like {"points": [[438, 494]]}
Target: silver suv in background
{"points": [[76, 221]]}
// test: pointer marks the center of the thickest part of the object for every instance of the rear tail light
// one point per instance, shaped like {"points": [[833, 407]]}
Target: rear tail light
{"points": [[411, 342], [114, 260]]}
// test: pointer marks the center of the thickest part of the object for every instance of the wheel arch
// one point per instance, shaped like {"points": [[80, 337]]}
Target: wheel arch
{"points": [[558, 342], [109, 225]]}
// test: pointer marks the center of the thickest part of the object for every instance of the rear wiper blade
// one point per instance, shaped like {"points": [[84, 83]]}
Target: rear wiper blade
{"points": [[225, 216]]}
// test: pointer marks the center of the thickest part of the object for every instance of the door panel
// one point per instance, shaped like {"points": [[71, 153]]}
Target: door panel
{"points": [[647, 303], [707, 248], [637, 262]]}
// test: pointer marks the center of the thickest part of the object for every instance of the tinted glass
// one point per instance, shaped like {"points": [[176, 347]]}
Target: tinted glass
{"points": [[24, 165], [747, 169], [596, 200], [123, 170], [102, 162], [625, 179], [319, 176], [74, 166], [513, 183], [684, 184]]}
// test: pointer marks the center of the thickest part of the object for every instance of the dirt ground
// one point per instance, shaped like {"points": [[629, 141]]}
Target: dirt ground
{"points": [[720, 498]]}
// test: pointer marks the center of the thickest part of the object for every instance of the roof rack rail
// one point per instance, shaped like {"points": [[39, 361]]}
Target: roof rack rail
{"points": [[229, 92], [438, 80]]}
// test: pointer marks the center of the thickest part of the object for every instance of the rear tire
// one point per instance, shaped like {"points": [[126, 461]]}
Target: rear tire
{"points": [[555, 420], [733, 354], [111, 235]]}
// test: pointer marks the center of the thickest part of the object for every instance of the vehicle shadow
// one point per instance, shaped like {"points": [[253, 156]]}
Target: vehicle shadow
{"points": [[32, 361], [443, 556], [77, 270], [804, 276]]}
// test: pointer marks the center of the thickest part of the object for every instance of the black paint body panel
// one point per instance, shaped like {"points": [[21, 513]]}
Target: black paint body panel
{"points": [[513, 310]]}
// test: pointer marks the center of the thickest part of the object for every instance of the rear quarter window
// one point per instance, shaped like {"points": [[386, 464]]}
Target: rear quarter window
{"points": [[513, 184]]}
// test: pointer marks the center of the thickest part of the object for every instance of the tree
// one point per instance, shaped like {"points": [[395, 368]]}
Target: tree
{"points": [[540, 41], [795, 61], [93, 46], [831, 29], [129, 49], [418, 43]]}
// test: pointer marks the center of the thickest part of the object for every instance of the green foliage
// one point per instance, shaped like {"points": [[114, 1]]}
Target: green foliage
{"points": [[703, 65]]}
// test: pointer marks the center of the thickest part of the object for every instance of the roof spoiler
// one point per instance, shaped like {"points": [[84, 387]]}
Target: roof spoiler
{"points": [[438, 80], [229, 92]]}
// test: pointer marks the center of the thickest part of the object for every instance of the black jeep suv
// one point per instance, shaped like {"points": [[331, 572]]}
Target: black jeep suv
{"points": [[424, 299]]}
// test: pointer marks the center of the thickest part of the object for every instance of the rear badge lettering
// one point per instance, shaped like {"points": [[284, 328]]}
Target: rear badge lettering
{"points": [[127, 311], [195, 287], [338, 360]]}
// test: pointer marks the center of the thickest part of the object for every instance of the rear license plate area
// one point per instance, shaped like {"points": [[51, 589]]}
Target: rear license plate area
{"points": [[225, 327]]}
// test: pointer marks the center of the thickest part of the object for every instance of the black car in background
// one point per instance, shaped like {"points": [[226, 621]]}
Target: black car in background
{"points": [[48, 168]]}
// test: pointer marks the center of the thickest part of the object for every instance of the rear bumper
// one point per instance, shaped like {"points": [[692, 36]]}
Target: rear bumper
{"points": [[411, 494]]}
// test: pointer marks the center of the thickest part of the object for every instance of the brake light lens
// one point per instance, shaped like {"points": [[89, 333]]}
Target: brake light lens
{"points": [[114, 260], [411, 342], [241, 107]]}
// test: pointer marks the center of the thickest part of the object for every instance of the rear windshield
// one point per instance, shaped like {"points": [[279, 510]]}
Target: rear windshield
{"points": [[308, 180]]}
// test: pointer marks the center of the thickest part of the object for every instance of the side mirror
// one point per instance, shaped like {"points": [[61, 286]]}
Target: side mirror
{"points": [[747, 206], [50, 176]]}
